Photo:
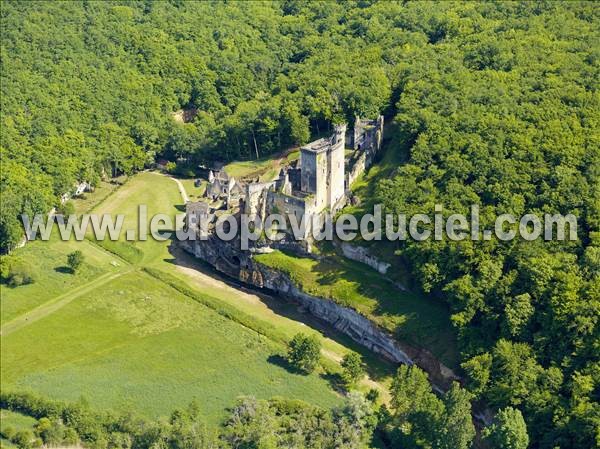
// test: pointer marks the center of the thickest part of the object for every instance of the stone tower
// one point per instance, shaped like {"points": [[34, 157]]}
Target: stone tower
{"points": [[322, 173], [335, 162], [314, 173]]}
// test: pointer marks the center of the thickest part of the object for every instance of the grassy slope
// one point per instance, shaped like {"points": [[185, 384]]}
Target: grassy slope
{"points": [[89, 200], [415, 319], [135, 342], [16, 421], [195, 193], [266, 168], [140, 345], [47, 261]]}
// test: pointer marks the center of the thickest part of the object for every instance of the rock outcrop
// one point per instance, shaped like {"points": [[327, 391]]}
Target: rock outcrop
{"points": [[361, 254], [344, 319], [226, 258]]}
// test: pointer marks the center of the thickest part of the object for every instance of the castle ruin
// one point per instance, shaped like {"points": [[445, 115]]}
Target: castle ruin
{"points": [[317, 184]]}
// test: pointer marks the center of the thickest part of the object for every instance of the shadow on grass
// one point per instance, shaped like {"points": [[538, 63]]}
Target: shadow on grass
{"points": [[281, 361], [335, 381], [378, 368], [416, 320]]}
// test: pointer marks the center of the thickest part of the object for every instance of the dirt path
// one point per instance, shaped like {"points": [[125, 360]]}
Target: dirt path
{"points": [[57, 303], [257, 307], [184, 195]]}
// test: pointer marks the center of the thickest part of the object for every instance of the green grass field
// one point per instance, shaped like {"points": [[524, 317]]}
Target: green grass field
{"points": [[195, 193], [47, 262], [416, 319], [91, 199], [138, 344], [126, 340], [265, 168]]}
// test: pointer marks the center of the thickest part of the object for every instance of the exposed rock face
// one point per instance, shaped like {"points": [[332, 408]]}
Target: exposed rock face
{"points": [[225, 257], [361, 254], [343, 319]]}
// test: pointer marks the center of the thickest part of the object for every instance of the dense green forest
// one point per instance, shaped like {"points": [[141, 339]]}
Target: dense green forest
{"points": [[497, 102]]}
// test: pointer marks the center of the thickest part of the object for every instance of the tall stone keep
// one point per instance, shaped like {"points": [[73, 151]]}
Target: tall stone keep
{"points": [[313, 177], [322, 173], [337, 154]]}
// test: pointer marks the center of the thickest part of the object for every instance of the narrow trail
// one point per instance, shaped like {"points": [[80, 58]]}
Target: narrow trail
{"points": [[58, 302], [261, 309], [256, 306], [184, 195]]}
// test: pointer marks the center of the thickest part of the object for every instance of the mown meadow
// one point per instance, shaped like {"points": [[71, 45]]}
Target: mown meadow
{"points": [[117, 335]]}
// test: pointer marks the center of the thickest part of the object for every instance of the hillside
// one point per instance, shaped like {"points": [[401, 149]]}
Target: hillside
{"points": [[493, 103]]}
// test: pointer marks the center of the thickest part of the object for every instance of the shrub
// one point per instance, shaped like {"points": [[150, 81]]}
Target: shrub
{"points": [[8, 432], [16, 272], [70, 437], [373, 395], [23, 439], [74, 260], [353, 369], [304, 352], [67, 208], [51, 432], [170, 167]]}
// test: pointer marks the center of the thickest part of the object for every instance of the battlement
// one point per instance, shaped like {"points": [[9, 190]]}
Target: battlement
{"points": [[318, 146]]}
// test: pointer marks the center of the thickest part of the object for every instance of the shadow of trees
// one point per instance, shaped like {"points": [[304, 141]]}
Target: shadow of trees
{"points": [[377, 367]]}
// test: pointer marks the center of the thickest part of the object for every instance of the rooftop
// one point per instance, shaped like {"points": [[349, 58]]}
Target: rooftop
{"points": [[317, 146]]}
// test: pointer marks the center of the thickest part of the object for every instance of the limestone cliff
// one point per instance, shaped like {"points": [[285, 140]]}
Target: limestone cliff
{"points": [[242, 266]]}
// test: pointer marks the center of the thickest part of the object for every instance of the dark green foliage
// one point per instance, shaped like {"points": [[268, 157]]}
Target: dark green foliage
{"points": [[280, 423], [508, 431], [496, 102], [51, 431], [502, 110], [89, 89], [304, 352], [353, 369], [74, 260], [15, 271], [251, 423], [418, 416], [23, 439], [455, 430], [66, 209]]}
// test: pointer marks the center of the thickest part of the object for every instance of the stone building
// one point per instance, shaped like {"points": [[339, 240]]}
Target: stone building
{"points": [[322, 172], [222, 187], [367, 139], [315, 185]]}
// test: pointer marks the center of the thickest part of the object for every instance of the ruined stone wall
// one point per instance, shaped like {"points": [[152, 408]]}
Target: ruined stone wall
{"points": [[368, 134], [361, 254], [357, 167], [336, 165], [286, 205], [255, 198]]}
